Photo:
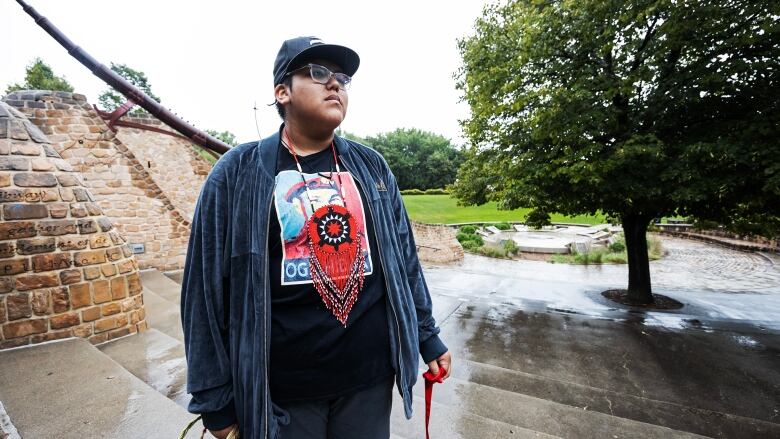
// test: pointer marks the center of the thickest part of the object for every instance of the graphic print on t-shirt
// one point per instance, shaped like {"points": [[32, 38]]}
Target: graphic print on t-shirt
{"points": [[293, 208]]}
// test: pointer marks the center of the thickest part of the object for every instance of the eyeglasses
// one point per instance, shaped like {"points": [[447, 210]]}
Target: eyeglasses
{"points": [[322, 75]]}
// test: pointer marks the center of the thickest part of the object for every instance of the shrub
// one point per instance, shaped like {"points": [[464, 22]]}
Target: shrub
{"points": [[412, 192], [492, 252], [503, 226], [436, 192], [471, 245], [617, 246], [466, 237], [468, 229], [510, 246]]}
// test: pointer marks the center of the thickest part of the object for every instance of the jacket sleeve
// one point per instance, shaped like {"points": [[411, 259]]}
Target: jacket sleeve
{"points": [[431, 346], [205, 304]]}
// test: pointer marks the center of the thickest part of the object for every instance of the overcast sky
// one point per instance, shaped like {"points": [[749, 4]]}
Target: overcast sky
{"points": [[210, 61]]}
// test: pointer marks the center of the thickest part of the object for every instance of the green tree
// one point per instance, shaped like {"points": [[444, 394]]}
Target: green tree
{"points": [[39, 76], [637, 108], [225, 136], [110, 100], [418, 159]]}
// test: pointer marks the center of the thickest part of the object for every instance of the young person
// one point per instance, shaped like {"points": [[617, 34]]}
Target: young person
{"points": [[303, 299]]}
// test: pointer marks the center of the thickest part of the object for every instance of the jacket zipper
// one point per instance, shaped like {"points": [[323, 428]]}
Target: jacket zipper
{"points": [[387, 286], [265, 322]]}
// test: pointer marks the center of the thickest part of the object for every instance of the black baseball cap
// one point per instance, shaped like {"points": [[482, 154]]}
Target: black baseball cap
{"points": [[299, 51]]}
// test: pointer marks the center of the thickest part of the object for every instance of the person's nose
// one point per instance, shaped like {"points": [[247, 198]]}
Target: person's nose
{"points": [[332, 84]]}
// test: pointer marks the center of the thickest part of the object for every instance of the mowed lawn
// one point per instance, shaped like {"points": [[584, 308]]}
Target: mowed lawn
{"points": [[442, 209]]}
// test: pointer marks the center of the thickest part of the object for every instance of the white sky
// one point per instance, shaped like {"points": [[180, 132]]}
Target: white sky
{"points": [[211, 61]]}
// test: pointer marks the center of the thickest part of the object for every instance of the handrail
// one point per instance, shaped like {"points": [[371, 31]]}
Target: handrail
{"points": [[130, 91]]}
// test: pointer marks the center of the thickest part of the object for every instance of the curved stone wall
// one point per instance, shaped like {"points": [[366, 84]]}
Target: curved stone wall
{"points": [[122, 183], [65, 270]]}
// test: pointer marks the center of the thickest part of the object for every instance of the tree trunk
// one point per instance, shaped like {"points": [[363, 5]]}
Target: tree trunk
{"points": [[635, 230]]}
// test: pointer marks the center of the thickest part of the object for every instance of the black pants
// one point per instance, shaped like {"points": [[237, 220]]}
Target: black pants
{"points": [[361, 415]]}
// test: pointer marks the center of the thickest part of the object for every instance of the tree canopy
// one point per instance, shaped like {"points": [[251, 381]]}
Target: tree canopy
{"points": [[636, 108], [110, 100], [39, 76], [418, 159]]}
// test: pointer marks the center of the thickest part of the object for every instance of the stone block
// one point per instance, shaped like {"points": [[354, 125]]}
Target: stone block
{"points": [[34, 281], [7, 284], [80, 295], [64, 320], [68, 277], [15, 342], [41, 164], [3, 315], [37, 179], [114, 254], [50, 151], [16, 130], [72, 243], [18, 305], [89, 257], [105, 224], [93, 209], [98, 338], [25, 327], [5, 179], [66, 194], [101, 291], [57, 227], [24, 211], [5, 146], [90, 314], [41, 301], [118, 288], [7, 250], [60, 301], [108, 270], [77, 210], [14, 266], [127, 305], [121, 332], [105, 324], [59, 210], [126, 266], [68, 180], [51, 261], [99, 241], [14, 164], [87, 226], [30, 246], [111, 308], [91, 273], [134, 284], [82, 331], [81, 194]]}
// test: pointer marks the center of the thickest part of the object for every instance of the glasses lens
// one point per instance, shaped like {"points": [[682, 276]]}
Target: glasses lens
{"points": [[319, 73], [343, 79]]}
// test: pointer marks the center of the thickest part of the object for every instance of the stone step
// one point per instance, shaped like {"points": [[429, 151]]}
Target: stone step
{"points": [[540, 415], [453, 423], [156, 359], [163, 315], [161, 285], [662, 413], [72, 390]]}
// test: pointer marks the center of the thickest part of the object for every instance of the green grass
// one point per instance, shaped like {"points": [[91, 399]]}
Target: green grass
{"points": [[442, 209]]}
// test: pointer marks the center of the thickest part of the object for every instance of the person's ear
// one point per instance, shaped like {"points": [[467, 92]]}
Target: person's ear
{"points": [[282, 94]]}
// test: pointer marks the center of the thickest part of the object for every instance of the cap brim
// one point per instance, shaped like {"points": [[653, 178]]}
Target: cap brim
{"points": [[344, 57]]}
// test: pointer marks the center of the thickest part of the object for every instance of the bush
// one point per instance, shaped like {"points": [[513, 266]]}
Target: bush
{"points": [[617, 246], [503, 226], [436, 192], [468, 229], [510, 246], [471, 245], [492, 252], [466, 237], [412, 192]]}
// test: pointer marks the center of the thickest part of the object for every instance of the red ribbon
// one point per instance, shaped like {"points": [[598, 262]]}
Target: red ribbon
{"points": [[430, 380]]}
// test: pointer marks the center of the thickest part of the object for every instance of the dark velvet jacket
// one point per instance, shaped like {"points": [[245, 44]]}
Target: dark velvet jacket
{"points": [[226, 297]]}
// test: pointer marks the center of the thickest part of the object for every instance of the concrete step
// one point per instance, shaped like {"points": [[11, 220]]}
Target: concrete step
{"points": [[72, 390], [540, 415], [161, 285], [662, 413], [453, 423], [163, 315], [156, 359]]}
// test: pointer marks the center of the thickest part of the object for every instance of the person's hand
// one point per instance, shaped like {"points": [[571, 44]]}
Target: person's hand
{"points": [[445, 361], [222, 434]]}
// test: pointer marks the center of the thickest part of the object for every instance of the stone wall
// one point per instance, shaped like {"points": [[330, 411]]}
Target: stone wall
{"points": [[171, 161], [123, 184], [436, 244], [65, 270]]}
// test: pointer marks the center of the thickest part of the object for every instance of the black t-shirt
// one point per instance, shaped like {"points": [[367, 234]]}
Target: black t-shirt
{"points": [[313, 355]]}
